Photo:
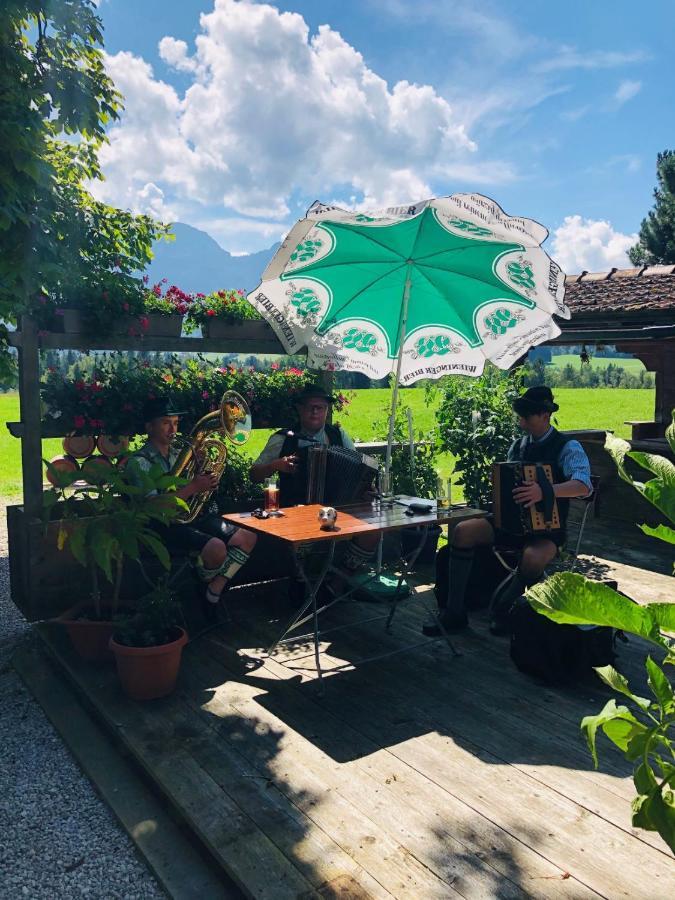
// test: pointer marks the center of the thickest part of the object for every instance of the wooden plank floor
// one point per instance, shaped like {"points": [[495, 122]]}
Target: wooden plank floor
{"points": [[420, 775]]}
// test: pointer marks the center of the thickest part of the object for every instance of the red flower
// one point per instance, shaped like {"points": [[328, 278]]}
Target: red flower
{"points": [[78, 421], [145, 322], [210, 312], [205, 395], [274, 366]]}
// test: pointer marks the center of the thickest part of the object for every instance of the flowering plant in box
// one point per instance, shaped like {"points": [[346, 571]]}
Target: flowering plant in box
{"points": [[227, 306], [111, 399], [167, 301]]}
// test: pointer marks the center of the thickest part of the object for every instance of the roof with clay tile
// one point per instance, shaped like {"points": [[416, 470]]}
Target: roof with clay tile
{"points": [[642, 290]]}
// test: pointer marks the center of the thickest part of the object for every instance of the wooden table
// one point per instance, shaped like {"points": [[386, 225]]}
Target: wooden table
{"points": [[300, 525]]}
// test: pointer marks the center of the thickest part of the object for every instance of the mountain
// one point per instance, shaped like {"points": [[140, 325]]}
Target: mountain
{"points": [[197, 264]]}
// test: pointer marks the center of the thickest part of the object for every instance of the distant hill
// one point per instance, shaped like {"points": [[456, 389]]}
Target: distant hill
{"points": [[197, 264]]}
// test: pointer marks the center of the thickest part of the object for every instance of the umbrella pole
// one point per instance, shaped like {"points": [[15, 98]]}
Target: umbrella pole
{"points": [[399, 363], [394, 396]]}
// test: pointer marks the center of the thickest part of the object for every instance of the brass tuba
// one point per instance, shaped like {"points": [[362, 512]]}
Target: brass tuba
{"points": [[205, 451]]}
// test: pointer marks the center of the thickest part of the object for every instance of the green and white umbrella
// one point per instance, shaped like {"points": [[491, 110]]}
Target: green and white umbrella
{"points": [[424, 291]]}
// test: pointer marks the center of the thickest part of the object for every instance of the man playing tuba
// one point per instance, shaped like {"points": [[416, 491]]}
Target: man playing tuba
{"points": [[223, 549]]}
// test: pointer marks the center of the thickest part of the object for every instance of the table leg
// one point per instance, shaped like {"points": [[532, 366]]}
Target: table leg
{"points": [[311, 601]]}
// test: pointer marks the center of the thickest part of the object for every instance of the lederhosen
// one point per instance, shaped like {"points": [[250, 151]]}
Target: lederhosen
{"points": [[546, 451], [293, 487]]}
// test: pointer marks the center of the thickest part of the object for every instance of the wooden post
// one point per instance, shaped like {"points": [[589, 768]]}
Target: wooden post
{"points": [[658, 357], [29, 400]]}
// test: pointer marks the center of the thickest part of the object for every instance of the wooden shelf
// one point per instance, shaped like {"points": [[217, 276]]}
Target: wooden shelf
{"points": [[265, 342]]}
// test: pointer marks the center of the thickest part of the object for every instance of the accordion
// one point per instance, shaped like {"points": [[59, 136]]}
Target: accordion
{"points": [[512, 517], [336, 475]]}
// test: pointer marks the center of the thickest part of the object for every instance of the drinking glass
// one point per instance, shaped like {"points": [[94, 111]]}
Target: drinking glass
{"points": [[443, 493], [271, 495]]}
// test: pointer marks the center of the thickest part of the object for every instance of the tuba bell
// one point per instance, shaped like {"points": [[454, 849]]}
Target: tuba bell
{"points": [[204, 452]]}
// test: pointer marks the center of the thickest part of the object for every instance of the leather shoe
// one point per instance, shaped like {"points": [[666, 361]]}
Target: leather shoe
{"points": [[452, 624]]}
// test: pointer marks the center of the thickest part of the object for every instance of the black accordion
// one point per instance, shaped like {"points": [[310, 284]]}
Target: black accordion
{"points": [[514, 518], [336, 475]]}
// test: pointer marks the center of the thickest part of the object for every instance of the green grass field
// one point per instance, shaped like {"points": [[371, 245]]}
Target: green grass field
{"points": [[604, 408], [630, 364]]}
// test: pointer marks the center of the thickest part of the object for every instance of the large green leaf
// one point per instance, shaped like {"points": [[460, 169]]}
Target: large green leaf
{"points": [[102, 546], [618, 449], [655, 811], [569, 598], [619, 682], [662, 496], [590, 724], [663, 614], [623, 730], [670, 433], [658, 465], [662, 532], [152, 542], [659, 684]]}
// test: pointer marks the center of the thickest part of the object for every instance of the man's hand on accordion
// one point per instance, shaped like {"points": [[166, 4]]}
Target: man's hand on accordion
{"points": [[528, 494], [287, 464]]}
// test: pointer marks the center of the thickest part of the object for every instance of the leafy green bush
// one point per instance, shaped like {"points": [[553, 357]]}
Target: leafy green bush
{"points": [[154, 622], [476, 424], [645, 735], [416, 477]]}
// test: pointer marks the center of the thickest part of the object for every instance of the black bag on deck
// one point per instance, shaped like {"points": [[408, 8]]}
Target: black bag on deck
{"points": [[558, 654]]}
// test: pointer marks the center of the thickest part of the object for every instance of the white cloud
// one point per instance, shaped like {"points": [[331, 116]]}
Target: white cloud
{"points": [[175, 53], [573, 58], [590, 244], [273, 112], [626, 91]]}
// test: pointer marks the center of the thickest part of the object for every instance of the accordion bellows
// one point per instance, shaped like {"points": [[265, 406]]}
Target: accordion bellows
{"points": [[336, 475], [512, 517]]}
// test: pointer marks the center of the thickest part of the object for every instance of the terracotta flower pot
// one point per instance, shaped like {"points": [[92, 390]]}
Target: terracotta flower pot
{"points": [[90, 638], [147, 673]]}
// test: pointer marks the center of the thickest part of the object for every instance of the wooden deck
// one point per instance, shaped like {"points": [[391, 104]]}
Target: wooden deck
{"points": [[418, 776]]}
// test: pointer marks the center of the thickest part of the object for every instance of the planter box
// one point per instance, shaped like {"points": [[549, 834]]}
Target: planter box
{"points": [[247, 331], [74, 321], [164, 326]]}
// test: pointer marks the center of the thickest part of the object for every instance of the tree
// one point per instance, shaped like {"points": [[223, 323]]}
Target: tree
{"points": [[656, 245], [55, 103]]}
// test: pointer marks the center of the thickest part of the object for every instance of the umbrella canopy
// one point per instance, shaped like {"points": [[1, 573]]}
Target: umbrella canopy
{"points": [[426, 290]]}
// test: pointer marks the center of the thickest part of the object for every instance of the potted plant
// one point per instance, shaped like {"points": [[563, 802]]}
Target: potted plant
{"points": [[164, 311], [225, 314], [102, 524], [148, 644]]}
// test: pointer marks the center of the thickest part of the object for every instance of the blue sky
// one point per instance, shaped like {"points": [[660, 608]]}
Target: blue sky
{"points": [[239, 114]]}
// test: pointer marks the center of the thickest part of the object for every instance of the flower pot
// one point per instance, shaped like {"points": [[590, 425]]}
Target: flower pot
{"points": [[160, 325], [61, 464], [147, 673], [221, 328], [112, 445], [91, 639]]}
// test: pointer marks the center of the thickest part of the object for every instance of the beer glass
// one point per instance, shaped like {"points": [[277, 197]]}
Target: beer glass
{"points": [[443, 493], [271, 491]]}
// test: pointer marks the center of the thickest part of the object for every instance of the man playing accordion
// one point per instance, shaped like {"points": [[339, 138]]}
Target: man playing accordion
{"points": [[542, 443], [282, 455]]}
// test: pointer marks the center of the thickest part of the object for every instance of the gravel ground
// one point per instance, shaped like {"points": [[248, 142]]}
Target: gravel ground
{"points": [[59, 839]]}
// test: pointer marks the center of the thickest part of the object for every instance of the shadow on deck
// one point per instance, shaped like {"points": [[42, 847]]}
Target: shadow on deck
{"points": [[420, 775]]}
